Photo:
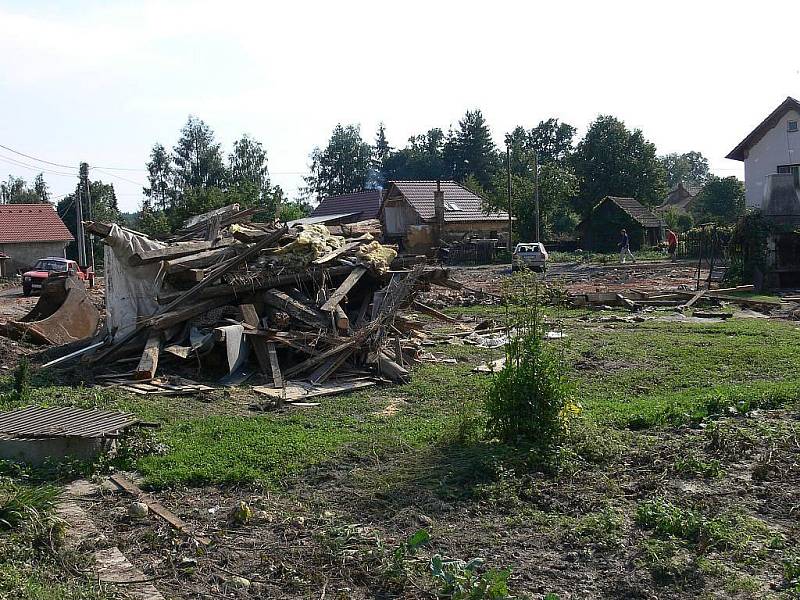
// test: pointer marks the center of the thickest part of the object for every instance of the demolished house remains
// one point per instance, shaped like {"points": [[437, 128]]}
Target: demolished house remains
{"points": [[297, 309]]}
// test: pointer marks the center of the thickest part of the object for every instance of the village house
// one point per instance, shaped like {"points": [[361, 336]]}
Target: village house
{"points": [[420, 215], [29, 232], [679, 199], [349, 208], [772, 147], [600, 230]]}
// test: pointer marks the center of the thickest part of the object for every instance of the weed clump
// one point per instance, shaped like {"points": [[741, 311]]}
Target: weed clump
{"points": [[529, 401]]}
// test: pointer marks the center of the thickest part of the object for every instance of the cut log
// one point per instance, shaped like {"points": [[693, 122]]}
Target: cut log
{"points": [[148, 364], [341, 291]]}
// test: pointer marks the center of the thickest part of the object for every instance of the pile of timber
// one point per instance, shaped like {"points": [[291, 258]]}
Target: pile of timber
{"points": [[677, 299], [258, 301]]}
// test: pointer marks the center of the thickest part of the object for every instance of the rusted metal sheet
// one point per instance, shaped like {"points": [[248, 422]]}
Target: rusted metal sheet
{"points": [[62, 315], [37, 422]]}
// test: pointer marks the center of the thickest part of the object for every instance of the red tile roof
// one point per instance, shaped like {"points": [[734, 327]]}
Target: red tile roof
{"points": [[31, 223], [368, 203], [460, 204]]}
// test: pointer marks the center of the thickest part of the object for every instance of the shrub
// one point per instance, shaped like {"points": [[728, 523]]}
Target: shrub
{"points": [[529, 400], [20, 503]]}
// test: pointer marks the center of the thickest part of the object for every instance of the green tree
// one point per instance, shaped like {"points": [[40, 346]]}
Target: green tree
{"points": [[41, 189], [342, 167], [552, 140], [691, 168], [16, 191], [161, 176], [248, 175], [291, 211], [720, 200], [198, 158], [611, 160], [380, 153], [422, 158], [102, 207], [470, 150]]}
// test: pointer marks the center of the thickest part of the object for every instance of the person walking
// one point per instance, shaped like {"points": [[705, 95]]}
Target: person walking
{"points": [[625, 247], [672, 244]]}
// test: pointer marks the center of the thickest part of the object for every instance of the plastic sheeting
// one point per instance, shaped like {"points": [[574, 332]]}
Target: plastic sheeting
{"points": [[131, 292]]}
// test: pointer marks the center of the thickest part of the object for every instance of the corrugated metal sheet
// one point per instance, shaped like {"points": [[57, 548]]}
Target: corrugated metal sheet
{"points": [[37, 422]]}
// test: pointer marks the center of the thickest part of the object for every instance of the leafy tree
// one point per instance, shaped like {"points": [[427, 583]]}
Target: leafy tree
{"points": [[161, 176], [611, 160], [422, 158], [291, 211], [16, 191], [102, 207], [470, 150], [41, 189], [691, 168], [342, 167], [552, 140], [198, 158], [720, 200], [557, 185], [248, 175]]}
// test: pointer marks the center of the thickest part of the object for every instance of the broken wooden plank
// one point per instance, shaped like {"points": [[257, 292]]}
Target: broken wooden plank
{"points": [[174, 317], [148, 364], [694, 299], [277, 377], [625, 302], [168, 252], [296, 309], [326, 369], [391, 370], [201, 260], [157, 508], [342, 320], [343, 250], [429, 310], [343, 288], [295, 390], [250, 317]]}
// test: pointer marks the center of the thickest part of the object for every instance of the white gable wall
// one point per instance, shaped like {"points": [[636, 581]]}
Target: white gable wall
{"points": [[777, 147]]}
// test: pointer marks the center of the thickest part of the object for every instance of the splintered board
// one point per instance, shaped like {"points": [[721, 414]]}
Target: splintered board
{"points": [[297, 392], [172, 386]]}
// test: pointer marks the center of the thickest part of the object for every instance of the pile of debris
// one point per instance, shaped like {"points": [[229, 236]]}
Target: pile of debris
{"points": [[318, 311]]}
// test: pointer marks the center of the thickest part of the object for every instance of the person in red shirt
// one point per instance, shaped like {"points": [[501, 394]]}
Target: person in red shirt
{"points": [[672, 244]]}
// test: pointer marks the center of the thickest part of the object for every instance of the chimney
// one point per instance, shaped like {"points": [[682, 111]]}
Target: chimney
{"points": [[438, 213]]}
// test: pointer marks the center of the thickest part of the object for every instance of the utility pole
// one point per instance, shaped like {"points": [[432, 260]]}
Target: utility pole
{"points": [[536, 189], [510, 221], [90, 217], [81, 241]]}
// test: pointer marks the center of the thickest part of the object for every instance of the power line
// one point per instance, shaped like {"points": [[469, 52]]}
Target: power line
{"points": [[34, 167], [117, 176]]}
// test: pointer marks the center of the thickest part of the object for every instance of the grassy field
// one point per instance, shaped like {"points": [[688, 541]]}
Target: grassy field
{"points": [[653, 493]]}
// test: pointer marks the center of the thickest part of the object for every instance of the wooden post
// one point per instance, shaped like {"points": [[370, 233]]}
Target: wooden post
{"points": [[148, 364]]}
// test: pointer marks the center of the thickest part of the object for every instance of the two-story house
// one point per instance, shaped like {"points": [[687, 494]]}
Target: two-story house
{"points": [[772, 147]]}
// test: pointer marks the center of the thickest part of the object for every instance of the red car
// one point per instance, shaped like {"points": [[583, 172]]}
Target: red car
{"points": [[33, 279]]}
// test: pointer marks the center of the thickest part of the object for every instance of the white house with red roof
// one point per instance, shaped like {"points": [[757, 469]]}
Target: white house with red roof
{"points": [[29, 232]]}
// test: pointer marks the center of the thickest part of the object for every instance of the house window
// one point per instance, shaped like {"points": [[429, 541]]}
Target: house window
{"points": [[794, 170], [792, 126]]}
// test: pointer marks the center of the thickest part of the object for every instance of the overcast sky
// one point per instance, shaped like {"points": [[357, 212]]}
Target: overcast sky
{"points": [[103, 81]]}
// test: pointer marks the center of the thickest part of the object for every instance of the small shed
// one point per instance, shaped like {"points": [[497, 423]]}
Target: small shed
{"points": [[600, 230]]}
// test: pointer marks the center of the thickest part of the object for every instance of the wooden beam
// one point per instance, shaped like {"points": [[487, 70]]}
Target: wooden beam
{"points": [[203, 259], [343, 250], [296, 309], [429, 310], [157, 508], [148, 364], [277, 377], [342, 290], [250, 317], [342, 320], [694, 299], [174, 317]]}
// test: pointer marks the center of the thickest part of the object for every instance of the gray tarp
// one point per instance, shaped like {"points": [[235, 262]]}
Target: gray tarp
{"points": [[131, 292]]}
